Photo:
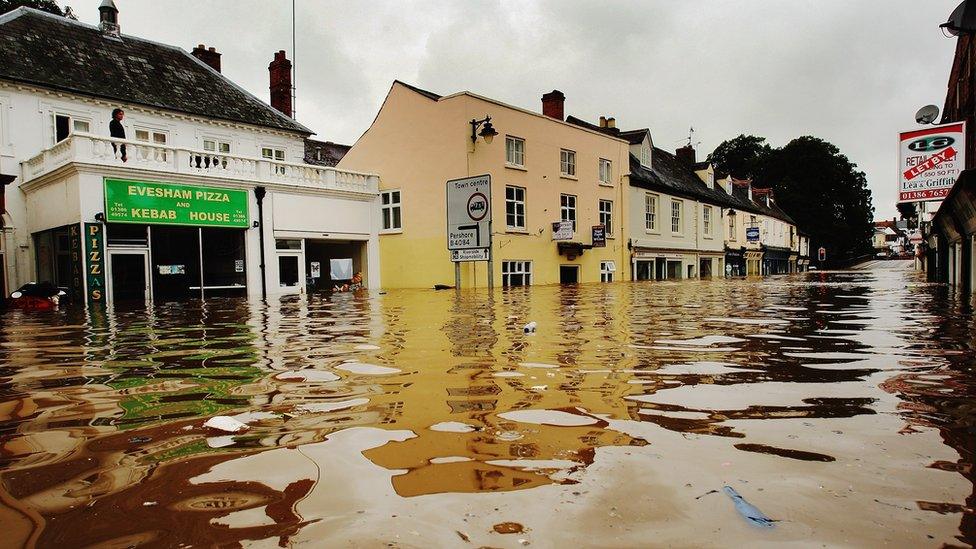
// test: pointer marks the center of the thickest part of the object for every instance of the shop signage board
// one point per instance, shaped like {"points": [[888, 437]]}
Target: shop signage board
{"points": [[77, 263], [469, 213], [315, 269], [599, 236], [822, 254], [151, 202], [562, 230], [930, 161], [95, 262], [752, 234]]}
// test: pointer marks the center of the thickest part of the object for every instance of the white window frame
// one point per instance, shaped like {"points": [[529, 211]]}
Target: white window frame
{"points": [[650, 212], [731, 227], [217, 145], [606, 216], [514, 154], [151, 134], [567, 208], [567, 163], [606, 172], [389, 207], [707, 221], [607, 268], [73, 118], [274, 154], [515, 207], [645, 156], [676, 213], [512, 268]]}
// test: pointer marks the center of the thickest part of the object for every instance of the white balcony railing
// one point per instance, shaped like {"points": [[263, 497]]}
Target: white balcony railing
{"points": [[94, 149]]}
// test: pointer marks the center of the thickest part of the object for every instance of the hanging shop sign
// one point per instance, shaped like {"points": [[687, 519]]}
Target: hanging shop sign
{"points": [[752, 234], [95, 262], [562, 230], [930, 161], [156, 203], [599, 236]]}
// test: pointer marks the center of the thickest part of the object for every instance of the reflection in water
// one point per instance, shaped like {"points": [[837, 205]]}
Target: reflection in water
{"points": [[837, 391]]}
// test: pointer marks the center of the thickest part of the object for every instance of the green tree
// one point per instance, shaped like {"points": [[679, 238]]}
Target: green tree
{"points": [[824, 192], [743, 156], [909, 212], [49, 6]]}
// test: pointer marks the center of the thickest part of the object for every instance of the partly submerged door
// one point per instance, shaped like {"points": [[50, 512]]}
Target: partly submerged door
{"points": [[128, 275]]}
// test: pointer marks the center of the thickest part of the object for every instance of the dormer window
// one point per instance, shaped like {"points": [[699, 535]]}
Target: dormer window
{"points": [[645, 156]]}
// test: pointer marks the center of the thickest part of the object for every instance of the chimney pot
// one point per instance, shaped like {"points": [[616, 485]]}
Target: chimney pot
{"points": [[208, 56], [611, 122], [603, 121], [553, 104]]}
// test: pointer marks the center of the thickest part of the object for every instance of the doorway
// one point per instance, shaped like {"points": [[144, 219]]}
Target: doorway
{"points": [[569, 274], [129, 279]]}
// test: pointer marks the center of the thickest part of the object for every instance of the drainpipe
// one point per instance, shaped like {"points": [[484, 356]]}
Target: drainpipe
{"points": [[259, 193]]}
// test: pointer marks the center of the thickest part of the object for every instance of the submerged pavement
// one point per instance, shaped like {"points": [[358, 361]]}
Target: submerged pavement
{"points": [[838, 404]]}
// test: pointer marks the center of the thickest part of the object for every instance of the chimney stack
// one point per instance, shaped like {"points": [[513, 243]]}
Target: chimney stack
{"points": [[611, 122], [208, 56], [108, 18], [686, 155], [280, 70], [603, 121], [553, 103]]}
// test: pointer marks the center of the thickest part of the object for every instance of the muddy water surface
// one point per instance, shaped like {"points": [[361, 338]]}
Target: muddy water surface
{"points": [[842, 405]]}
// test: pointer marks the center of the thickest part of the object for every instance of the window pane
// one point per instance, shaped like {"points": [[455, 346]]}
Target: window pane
{"points": [[159, 138], [81, 126], [142, 135], [396, 218], [396, 197], [266, 153], [386, 198], [209, 145], [225, 147], [386, 218]]}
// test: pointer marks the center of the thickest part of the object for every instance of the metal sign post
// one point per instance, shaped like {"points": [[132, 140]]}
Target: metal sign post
{"points": [[469, 223]]}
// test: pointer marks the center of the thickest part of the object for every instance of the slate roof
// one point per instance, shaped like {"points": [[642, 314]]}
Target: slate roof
{"points": [[59, 53], [671, 176], [329, 153]]}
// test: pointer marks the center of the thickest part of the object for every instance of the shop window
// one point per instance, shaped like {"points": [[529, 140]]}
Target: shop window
{"points": [[175, 268], [288, 271], [391, 210], [567, 162], [606, 172], [515, 151], [567, 208], [516, 273], [515, 207], [606, 216], [224, 265], [607, 268]]}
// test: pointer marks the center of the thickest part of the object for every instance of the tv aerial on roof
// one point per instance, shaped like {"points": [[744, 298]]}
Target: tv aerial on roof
{"points": [[927, 114]]}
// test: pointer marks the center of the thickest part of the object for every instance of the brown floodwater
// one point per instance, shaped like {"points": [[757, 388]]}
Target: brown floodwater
{"points": [[842, 405]]}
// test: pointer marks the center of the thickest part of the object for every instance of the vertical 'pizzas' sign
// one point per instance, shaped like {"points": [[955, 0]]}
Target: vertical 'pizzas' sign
{"points": [[930, 161], [95, 262]]}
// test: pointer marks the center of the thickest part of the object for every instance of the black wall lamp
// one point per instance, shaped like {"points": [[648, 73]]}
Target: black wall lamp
{"points": [[487, 132], [100, 217]]}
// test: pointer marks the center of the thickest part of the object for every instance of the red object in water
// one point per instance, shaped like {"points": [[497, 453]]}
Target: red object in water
{"points": [[30, 303]]}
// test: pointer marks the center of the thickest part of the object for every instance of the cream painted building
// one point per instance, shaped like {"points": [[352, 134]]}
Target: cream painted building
{"points": [[543, 170]]}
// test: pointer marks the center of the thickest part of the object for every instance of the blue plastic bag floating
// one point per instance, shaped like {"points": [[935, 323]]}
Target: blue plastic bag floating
{"points": [[748, 511]]}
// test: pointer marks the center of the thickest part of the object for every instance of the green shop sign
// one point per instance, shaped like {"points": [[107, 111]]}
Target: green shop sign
{"points": [[168, 204]]}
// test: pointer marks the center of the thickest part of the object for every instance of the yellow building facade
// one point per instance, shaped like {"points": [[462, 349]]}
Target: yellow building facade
{"points": [[543, 170]]}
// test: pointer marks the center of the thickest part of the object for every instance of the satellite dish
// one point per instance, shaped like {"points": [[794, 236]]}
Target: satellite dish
{"points": [[927, 114]]}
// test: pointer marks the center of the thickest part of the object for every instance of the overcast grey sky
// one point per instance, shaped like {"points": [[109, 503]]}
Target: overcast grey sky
{"points": [[850, 71]]}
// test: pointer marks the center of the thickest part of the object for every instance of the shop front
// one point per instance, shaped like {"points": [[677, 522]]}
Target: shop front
{"points": [[653, 265], [711, 265], [168, 242], [735, 262], [753, 259], [776, 260]]}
